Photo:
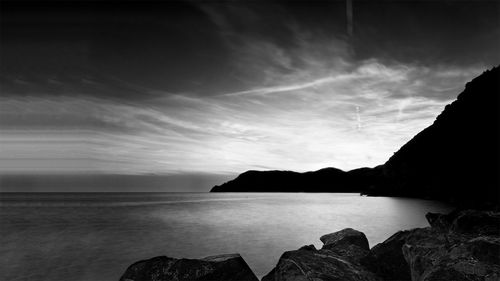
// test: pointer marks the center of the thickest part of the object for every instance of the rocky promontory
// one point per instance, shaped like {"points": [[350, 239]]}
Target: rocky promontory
{"points": [[323, 180], [460, 246]]}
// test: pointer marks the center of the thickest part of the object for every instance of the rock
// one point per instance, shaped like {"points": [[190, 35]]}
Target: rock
{"points": [[484, 249], [308, 248], [345, 237], [338, 259], [347, 243], [421, 254], [230, 267], [440, 221], [463, 245], [473, 222], [476, 259], [460, 246], [386, 259], [317, 265]]}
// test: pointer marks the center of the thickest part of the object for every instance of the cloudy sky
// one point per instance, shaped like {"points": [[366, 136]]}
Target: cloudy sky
{"points": [[214, 88]]}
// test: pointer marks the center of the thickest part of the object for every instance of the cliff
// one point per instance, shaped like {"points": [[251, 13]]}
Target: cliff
{"points": [[457, 158]]}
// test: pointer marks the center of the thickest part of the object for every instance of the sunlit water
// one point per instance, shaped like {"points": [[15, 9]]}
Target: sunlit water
{"points": [[96, 236]]}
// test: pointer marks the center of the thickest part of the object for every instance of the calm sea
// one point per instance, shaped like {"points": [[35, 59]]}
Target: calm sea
{"points": [[95, 236]]}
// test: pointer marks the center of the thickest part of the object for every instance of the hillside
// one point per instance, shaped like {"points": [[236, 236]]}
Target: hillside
{"points": [[457, 157]]}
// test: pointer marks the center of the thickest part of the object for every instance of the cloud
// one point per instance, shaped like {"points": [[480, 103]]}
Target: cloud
{"points": [[358, 118], [254, 86]]}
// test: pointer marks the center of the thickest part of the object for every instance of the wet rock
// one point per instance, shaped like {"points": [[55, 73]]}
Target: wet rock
{"points": [[230, 267]]}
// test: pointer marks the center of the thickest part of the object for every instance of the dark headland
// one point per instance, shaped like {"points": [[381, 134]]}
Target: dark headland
{"points": [[456, 159]]}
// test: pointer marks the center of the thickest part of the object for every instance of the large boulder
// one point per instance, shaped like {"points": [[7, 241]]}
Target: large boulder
{"points": [[229, 267], [338, 260], [347, 236], [347, 243]]}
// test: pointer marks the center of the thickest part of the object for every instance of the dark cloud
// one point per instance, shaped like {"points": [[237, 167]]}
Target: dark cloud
{"points": [[162, 45], [428, 32], [199, 47]]}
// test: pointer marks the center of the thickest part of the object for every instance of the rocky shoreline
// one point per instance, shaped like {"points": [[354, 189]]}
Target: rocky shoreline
{"points": [[460, 246]]}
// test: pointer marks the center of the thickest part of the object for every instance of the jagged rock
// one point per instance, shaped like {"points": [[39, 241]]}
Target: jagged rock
{"points": [[308, 248], [421, 252], [440, 221], [229, 267], [476, 259], [336, 260], [473, 222], [460, 246], [484, 249], [307, 264], [386, 259]]}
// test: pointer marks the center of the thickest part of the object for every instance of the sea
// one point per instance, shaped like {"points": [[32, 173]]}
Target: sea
{"points": [[96, 236]]}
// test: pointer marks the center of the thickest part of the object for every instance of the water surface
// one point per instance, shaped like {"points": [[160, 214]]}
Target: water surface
{"points": [[95, 236]]}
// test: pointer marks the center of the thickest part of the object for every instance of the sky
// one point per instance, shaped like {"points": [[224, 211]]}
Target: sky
{"points": [[209, 89]]}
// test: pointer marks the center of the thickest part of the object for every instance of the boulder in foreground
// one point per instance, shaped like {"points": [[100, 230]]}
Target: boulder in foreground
{"points": [[337, 260], [230, 267]]}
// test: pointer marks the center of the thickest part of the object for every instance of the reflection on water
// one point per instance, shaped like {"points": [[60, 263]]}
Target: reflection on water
{"points": [[96, 236]]}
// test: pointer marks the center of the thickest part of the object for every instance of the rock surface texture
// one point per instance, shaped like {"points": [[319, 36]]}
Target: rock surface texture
{"points": [[338, 259], [230, 267], [459, 246]]}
